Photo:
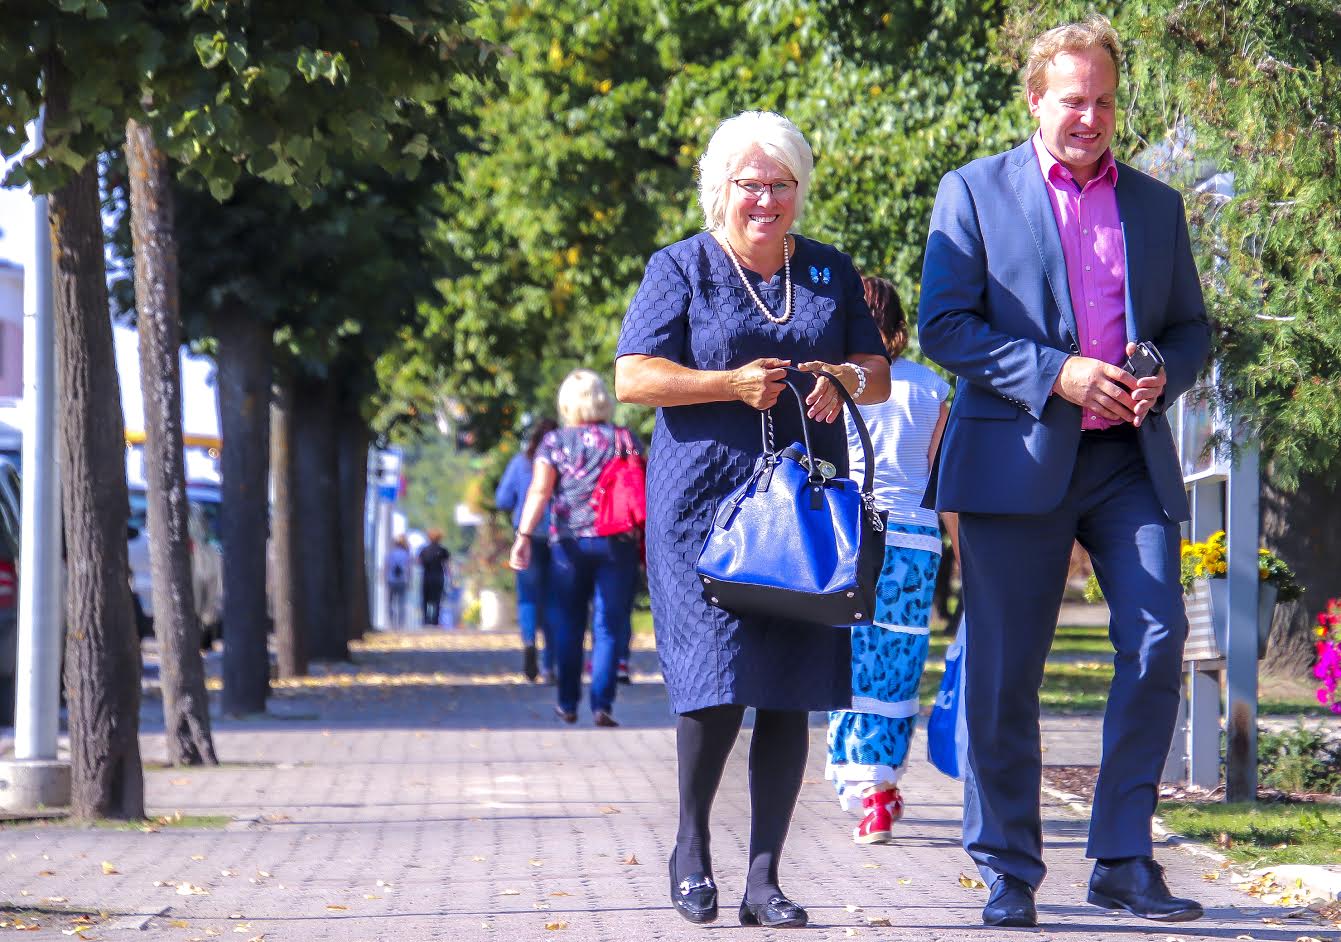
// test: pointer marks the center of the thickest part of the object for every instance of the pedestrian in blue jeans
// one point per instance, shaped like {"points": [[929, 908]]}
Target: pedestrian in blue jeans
{"points": [[533, 582], [586, 571]]}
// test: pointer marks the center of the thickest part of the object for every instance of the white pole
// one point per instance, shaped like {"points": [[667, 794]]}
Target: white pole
{"points": [[35, 779], [39, 636]]}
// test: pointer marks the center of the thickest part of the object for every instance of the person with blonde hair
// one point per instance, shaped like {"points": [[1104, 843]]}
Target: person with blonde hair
{"points": [[589, 571], [397, 571], [1059, 286], [708, 339]]}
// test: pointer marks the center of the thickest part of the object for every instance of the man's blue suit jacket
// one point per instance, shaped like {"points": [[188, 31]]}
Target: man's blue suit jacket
{"points": [[996, 311]]}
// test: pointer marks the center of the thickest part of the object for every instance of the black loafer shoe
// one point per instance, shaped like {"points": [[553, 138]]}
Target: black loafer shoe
{"points": [[778, 913], [1137, 885], [566, 716], [1011, 904], [694, 897]]}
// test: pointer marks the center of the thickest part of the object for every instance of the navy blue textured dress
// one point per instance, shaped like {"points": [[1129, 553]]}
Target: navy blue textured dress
{"points": [[692, 308]]}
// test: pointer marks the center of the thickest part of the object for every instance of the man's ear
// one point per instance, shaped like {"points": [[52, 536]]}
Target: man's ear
{"points": [[1033, 99]]}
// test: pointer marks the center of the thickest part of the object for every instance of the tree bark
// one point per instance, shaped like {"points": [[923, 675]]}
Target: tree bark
{"points": [[316, 462], [102, 662], [291, 618], [244, 415], [1303, 528], [186, 707], [354, 439]]}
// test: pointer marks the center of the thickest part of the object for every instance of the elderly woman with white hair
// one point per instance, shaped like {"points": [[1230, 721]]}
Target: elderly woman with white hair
{"points": [[587, 571], [705, 340]]}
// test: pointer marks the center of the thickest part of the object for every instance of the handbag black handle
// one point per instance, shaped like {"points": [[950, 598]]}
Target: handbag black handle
{"points": [[867, 448]]}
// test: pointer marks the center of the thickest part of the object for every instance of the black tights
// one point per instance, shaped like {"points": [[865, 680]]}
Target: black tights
{"points": [[778, 750]]}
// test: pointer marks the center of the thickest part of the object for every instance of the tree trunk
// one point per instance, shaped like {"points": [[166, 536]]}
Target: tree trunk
{"points": [[186, 706], [316, 463], [291, 618], [102, 661], [1303, 528], [354, 439], [245, 345]]}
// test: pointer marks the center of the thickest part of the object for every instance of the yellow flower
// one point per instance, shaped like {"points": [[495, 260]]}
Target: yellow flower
{"points": [[1320, 631]]}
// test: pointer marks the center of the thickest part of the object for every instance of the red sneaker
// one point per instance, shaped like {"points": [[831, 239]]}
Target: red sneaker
{"points": [[883, 808]]}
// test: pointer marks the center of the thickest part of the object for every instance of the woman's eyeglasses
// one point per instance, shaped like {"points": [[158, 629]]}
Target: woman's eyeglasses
{"points": [[780, 189]]}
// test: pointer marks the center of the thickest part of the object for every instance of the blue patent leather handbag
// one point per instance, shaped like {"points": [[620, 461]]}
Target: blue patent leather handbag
{"points": [[795, 541]]}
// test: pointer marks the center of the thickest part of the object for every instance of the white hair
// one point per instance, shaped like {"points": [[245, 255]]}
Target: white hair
{"points": [[738, 139], [583, 398]]}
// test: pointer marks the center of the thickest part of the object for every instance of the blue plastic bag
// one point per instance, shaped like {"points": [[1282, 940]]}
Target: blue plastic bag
{"points": [[947, 728]]}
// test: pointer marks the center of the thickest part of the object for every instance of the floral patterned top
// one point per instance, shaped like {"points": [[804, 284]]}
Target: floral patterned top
{"points": [[578, 453]]}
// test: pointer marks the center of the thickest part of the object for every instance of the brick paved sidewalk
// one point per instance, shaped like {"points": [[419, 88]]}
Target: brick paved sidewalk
{"points": [[429, 794]]}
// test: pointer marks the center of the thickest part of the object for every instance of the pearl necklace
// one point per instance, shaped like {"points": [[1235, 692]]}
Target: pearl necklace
{"points": [[787, 282]]}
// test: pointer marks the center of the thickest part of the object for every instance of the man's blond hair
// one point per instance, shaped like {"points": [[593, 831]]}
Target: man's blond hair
{"points": [[1093, 32]]}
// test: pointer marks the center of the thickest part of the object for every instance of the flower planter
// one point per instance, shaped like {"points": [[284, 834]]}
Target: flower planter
{"points": [[1218, 592], [491, 609]]}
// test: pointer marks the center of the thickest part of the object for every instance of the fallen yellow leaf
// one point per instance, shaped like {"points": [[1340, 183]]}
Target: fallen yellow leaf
{"points": [[109, 868], [556, 924], [631, 860], [971, 883], [179, 923], [609, 809], [336, 906]]}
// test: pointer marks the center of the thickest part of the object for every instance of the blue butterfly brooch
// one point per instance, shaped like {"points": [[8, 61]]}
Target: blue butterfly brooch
{"points": [[817, 276]]}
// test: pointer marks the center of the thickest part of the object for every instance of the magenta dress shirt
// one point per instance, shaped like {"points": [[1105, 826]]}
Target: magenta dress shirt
{"points": [[1096, 261]]}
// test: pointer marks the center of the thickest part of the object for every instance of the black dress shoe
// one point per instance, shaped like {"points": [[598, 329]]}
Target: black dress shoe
{"points": [[567, 716], [1011, 904], [778, 913], [694, 897], [1137, 885]]}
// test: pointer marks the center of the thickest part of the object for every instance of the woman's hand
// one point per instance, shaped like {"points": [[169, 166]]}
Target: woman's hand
{"points": [[520, 557], [759, 383], [824, 404]]}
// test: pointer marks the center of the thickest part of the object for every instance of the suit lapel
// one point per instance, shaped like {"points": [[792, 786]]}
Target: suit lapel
{"points": [[1133, 219], [1027, 180]]}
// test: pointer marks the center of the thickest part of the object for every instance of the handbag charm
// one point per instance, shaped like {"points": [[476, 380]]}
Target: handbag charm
{"points": [[795, 540]]}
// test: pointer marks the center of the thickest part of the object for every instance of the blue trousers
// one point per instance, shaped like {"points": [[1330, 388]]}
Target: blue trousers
{"points": [[599, 573], [1014, 575], [534, 601]]}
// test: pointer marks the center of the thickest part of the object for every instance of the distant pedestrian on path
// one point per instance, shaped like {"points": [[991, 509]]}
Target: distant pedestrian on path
{"points": [[433, 559], [588, 572], [868, 744], [533, 582], [397, 569], [716, 318], [1045, 267]]}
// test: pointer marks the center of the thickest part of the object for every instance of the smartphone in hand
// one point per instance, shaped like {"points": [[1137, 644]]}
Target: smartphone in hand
{"points": [[1145, 361]]}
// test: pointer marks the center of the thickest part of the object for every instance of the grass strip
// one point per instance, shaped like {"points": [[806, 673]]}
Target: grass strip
{"points": [[1262, 834]]}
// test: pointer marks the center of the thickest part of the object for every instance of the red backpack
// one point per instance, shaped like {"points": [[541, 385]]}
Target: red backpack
{"points": [[620, 497]]}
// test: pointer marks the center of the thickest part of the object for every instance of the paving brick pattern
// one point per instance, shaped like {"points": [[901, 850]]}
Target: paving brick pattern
{"points": [[457, 808]]}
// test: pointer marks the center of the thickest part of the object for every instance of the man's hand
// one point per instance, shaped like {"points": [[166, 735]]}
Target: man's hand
{"points": [[1147, 391], [1101, 388], [759, 383]]}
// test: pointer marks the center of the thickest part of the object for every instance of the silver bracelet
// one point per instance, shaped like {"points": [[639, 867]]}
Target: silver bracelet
{"points": [[861, 380]]}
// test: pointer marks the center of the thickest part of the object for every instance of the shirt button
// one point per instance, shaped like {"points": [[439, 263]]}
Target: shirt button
{"points": [[1084, 232], [1094, 343], [1091, 304], [1087, 268]]}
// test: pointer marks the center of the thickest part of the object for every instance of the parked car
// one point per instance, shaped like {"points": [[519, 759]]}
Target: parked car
{"points": [[10, 530], [206, 560]]}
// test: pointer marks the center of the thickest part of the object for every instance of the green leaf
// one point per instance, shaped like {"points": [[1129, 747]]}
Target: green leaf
{"points": [[210, 48]]}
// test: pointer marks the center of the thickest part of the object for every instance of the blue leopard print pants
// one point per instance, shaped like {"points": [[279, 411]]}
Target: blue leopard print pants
{"points": [[868, 744]]}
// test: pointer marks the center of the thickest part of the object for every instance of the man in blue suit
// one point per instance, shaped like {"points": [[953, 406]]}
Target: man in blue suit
{"points": [[1045, 266]]}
